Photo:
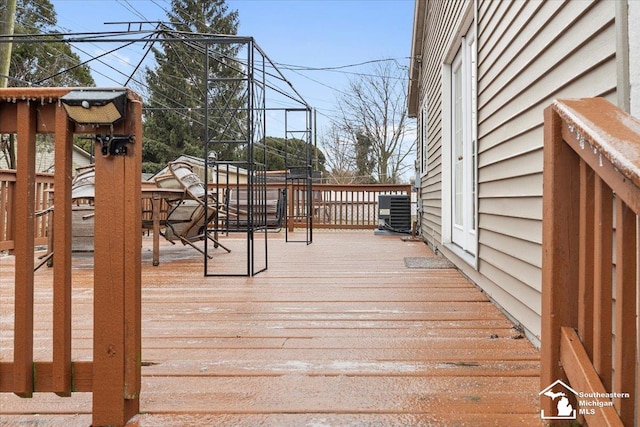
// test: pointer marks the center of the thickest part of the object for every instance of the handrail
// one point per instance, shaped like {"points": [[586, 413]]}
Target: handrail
{"points": [[591, 202]]}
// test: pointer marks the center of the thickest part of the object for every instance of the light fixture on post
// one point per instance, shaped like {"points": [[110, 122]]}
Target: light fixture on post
{"points": [[100, 107], [90, 106]]}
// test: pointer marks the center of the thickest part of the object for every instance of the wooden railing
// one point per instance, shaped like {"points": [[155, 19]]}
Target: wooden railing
{"points": [[590, 250], [350, 206], [43, 183], [336, 206], [113, 376]]}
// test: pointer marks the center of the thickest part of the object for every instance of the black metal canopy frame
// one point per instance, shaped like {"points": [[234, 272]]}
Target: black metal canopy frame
{"points": [[239, 90]]}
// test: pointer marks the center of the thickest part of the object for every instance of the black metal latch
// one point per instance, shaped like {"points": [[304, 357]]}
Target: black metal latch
{"points": [[111, 145]]}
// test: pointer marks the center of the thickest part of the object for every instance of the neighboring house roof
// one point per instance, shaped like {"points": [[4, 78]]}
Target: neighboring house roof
{"points": [[198, 164], [192, 160], [45, 159]]}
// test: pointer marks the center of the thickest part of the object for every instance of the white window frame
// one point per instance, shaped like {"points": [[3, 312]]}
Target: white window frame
{"points": [[424, 144]]}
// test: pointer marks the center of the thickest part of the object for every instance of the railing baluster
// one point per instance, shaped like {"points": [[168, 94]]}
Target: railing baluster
{"points": [[585, 270], [626, 284], [603, 293], [11, 198], [7, 191], [341, 206], [4, 205]]}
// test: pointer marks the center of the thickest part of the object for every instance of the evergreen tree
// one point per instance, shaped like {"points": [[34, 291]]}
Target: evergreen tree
{"points": [[282, 154], [42, 63], [175, 119], [45, 64]]}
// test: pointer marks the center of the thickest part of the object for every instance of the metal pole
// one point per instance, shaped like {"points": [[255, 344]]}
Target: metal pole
{"points": [[206, 153], [250, 154]]}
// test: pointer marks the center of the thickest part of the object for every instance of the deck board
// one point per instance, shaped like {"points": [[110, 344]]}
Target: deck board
{"points": [[339, 332]]}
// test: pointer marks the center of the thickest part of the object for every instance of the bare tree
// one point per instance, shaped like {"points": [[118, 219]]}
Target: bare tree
{"points": [[339, 149], [374, 111]]}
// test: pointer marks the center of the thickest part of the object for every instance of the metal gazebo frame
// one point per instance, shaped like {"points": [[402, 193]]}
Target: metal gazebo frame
{"points": [[250, 77]]}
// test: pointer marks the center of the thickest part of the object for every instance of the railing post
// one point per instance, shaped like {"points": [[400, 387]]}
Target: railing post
{"points": [[560, 257], [62, 254], [625, 368], [118, 241], [24, 249]]}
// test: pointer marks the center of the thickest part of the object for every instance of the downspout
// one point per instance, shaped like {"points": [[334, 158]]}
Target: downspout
{"points": [[622, 55], [633, 51]]}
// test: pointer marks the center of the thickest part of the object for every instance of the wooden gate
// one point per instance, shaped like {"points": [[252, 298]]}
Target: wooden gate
{"points": [[113, 376]]}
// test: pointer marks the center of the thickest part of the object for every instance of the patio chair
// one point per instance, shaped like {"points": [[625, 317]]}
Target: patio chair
{"points": [[82, 197], [83, 185], [268, 209], [190, 216]]}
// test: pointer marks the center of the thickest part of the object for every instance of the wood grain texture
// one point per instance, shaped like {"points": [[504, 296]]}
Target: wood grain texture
{"points": [[336, 332]]}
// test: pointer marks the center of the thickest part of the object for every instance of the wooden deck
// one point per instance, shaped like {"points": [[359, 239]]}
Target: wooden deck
{"points": [[340, 332]]}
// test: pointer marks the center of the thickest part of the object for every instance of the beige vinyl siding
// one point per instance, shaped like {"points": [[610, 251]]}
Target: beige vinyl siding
{"points": [[529, 53], [525, 229], [516, 257], [45, 157], [441, 18]]}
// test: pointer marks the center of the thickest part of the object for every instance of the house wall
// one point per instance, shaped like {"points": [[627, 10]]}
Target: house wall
{"points": [[45, 158], [529, 53], [634, 55], [441, 16]]}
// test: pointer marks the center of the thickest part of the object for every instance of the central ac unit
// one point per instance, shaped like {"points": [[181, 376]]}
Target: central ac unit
{"points": [[394, 213]]}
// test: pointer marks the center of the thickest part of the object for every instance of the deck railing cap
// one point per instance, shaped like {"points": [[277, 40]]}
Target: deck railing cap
{"points": [[608, 129]]}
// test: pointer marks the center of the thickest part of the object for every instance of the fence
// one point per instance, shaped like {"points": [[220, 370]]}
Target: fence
{"points": [[590, 278]]}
